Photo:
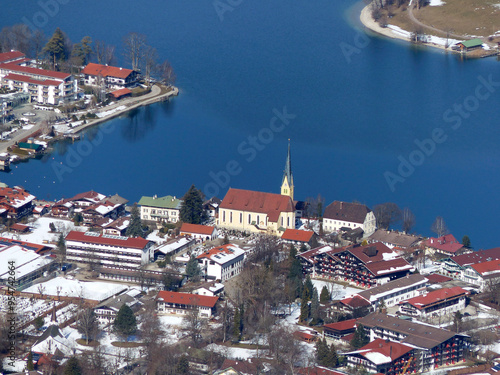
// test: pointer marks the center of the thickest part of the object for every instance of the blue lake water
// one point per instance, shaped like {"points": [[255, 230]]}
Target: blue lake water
{"points": [[352, 116]]}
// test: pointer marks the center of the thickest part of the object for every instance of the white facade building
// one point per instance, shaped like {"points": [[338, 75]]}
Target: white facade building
{"points": [[223, 262], [349, 215]]}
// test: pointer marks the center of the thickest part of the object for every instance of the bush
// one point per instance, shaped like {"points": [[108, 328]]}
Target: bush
{"points": [[74, 118]]}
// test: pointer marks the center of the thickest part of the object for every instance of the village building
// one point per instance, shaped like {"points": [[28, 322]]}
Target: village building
{"points": [[389, 294], [364, 266], [182, 303], [446, 245], [117, 227], [107, 310], [211, 288], [435, 303], [299, 237], [336, 331], [43, 86], [455, 266], [52, 341], [485, 275], [395, 239], [174, 246], [470, 45], [384, 357], [94, 248], [86, 199], [163, 209], [142, 277], [435, 346], [200, 232], [354, 306], [15, 203], [26, 264], [318, 370], [211, 207], [222, 262], [109, 76], [120, 93], [343, 215]]}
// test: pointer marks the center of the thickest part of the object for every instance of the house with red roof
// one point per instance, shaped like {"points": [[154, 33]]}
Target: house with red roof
{"points": [[222, 262], [483, 274], [43, 86], [108, 250], [339, 329], [298, 237], [110, 76], [384, 356], [438, 302], [339, 215], [197, 231], [15, 202], [182, 303], [256, 212], [447, 245]]}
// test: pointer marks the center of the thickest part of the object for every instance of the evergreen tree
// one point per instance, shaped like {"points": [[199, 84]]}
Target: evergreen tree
{"points": [[321, 351], [135, 227], [182, 365], [308, 287], [238, 323], [325, 295], [125, 323], [466, 241], [86, 46], [55, 47], [332, 359], [73, 367], [193, 270], [304, 306], [61, 249], [315, 308], [303, 248], [360, 338], [192, 207], [29, 362], [293, 252]]}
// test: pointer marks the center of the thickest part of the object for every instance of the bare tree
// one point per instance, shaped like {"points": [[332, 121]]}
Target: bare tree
{"points": [[104, 53], [285, 348], [387, 214], [194, 326], [439, 227], [150, 329], [134, 48], [266, 250], [408, 220], [165, 73], [87, 324], [149, 62], [38, 41]]}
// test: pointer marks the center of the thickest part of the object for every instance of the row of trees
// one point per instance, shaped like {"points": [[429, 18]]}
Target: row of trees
{"points": [[61, 54]]}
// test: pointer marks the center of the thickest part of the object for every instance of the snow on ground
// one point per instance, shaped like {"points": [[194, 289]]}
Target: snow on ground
{"points": [[111, 111], [400, 31], [96, 290], [436, 3], [41, 231], [153, 236], [337, 291], [441, 41], [234, 353]]}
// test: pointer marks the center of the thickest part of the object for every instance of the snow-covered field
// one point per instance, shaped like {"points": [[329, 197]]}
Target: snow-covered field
{"points": [[41, 231], [111, 111], [336, 290], [96, 290], [399, 30]]}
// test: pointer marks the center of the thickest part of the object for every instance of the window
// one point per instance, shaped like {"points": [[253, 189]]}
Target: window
{"points": [[258, 219], [231, 217], [223, 216], [288, 221], [249, 218], [241, 218]]}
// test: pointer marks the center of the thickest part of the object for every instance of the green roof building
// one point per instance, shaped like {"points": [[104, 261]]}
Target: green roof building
{"points": [[470, 44], [160, 209], [30, 146]]}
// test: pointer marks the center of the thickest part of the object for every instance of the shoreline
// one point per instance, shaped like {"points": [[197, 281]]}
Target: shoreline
{"points": [[368, 22], [156, 95]]}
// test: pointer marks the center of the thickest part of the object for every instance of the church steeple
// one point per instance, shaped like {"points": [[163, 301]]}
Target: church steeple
{"points": [[287, 182]]}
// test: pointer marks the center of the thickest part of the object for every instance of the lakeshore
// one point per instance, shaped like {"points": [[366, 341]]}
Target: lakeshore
{"points": [[158, 93]]}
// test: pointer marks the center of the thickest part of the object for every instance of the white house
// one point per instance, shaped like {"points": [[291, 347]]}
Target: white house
{"points": [[222, 262], [182, 303], [160, 209], [108, 250], [109, 76], [438, 302], [106, 311], [349, 215], [484, 274], [51, 341], [201, 232]]}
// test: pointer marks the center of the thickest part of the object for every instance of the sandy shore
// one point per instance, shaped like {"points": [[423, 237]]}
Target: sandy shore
{"points": [[367, 20]]}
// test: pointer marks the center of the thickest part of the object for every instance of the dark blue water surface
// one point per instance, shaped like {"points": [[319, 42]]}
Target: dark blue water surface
{"points": [[356, 114]]}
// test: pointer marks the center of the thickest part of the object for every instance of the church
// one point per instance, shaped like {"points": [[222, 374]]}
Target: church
{"points": [[259, 212]]}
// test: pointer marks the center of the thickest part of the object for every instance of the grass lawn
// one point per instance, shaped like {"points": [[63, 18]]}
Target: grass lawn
{"points": [[121, 344], [83, 342]]}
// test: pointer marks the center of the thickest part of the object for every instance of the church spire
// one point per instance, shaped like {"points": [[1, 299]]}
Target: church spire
{"points": [[287, 182]]}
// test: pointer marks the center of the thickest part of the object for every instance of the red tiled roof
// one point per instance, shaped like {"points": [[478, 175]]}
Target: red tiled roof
{"points": [[297, 235], [27, 79], [448, 243], [344, 325], [371, 253], [226, 249], [92, 195], [301, 335], [121, 92], [435, 296], [437, 279], [27, 245], [352, 212], [19, 227], [310, 254], [35, 71], [393, 350], [187, 299], [106, 71], [7, 56], [485, 268], [355, 302], [197, 228], [131, 242], [477, 256], [318, 370], [255, 201]]}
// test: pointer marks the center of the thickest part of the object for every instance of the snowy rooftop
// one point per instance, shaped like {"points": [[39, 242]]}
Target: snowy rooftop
{"points": [[26, 261]]}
